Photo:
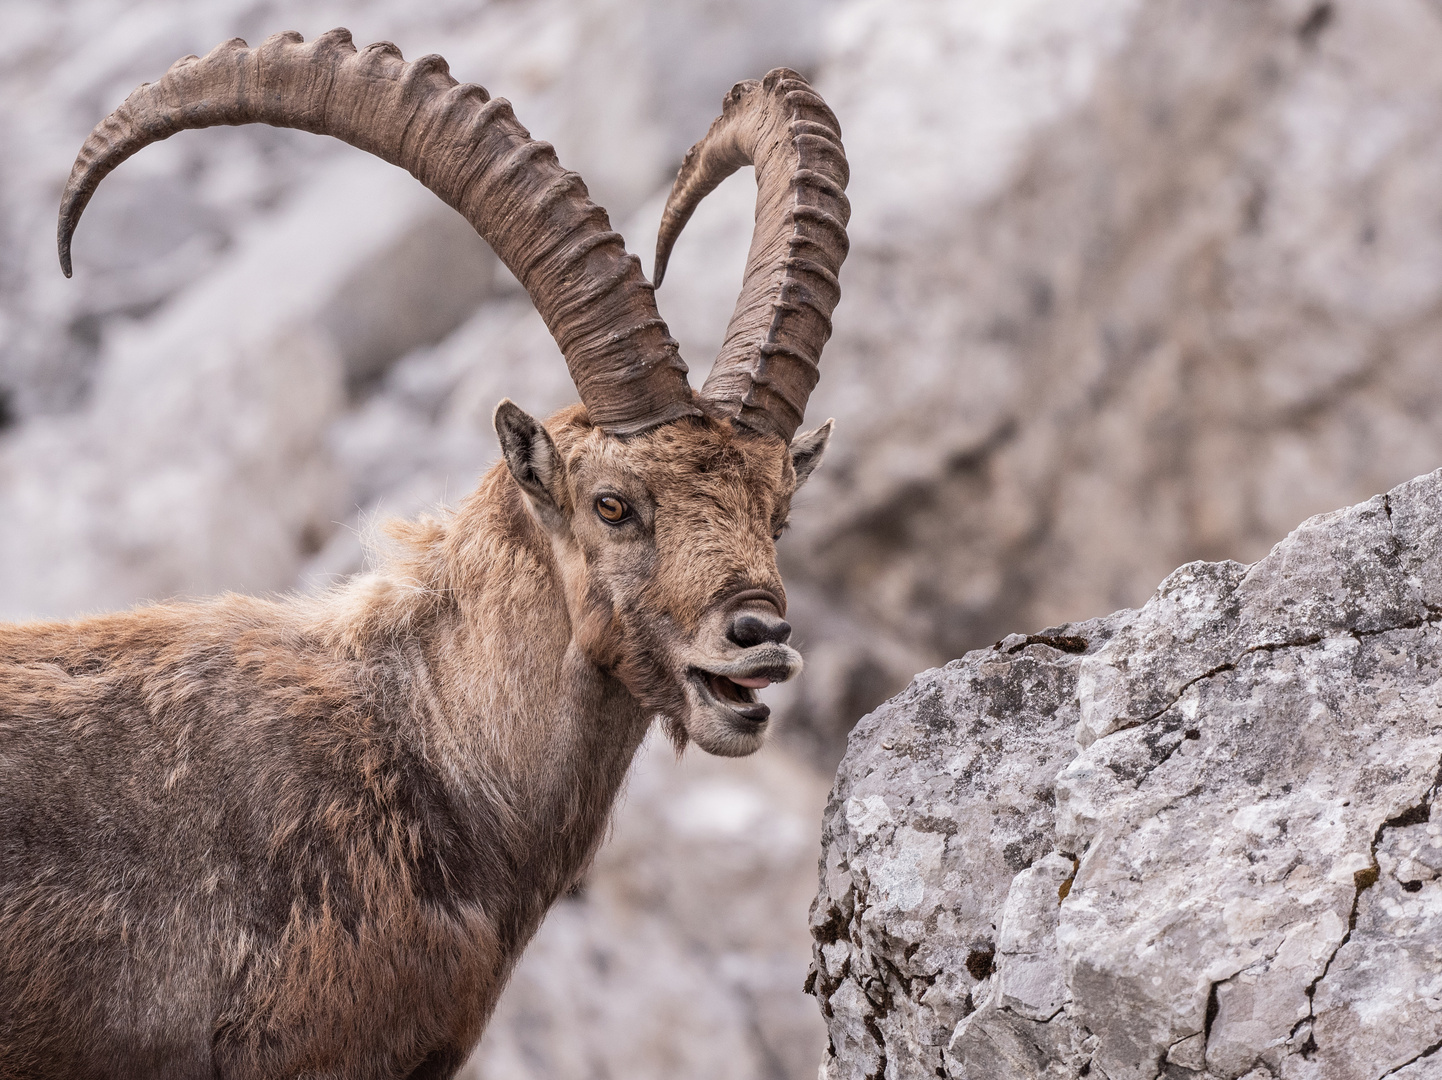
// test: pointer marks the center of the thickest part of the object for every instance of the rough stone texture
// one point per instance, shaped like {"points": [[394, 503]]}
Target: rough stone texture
{"points": [[1191, 840]]}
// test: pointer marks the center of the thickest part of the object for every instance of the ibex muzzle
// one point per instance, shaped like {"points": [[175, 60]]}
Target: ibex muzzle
{"points": [[265, 838]]}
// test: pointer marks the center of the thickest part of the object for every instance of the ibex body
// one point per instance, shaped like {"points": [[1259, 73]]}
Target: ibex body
{"points": [[247, 838]]}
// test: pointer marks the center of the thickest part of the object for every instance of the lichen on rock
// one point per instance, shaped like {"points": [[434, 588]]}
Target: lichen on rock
{"points": [[1193, 840]]}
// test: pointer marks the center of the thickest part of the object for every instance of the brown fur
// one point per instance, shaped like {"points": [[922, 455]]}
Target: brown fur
{"points": [[255, 838]]}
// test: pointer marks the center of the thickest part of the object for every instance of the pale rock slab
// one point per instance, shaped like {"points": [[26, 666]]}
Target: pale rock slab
{"points": [[1194, 840]]}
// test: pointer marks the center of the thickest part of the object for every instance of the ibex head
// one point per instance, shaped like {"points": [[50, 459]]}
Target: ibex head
{"points": [[661, 504], [666, 544]]}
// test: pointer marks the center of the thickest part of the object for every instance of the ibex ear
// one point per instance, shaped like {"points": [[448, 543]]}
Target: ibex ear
{"points": [[530, 455], [808, 448]]}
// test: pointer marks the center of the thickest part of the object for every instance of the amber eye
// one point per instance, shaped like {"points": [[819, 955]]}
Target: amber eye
{"points": [[779, 530], [612, 509]]}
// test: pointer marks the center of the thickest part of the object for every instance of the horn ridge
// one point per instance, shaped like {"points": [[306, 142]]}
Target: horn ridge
{"points": [[768, 363], [471, 151]]}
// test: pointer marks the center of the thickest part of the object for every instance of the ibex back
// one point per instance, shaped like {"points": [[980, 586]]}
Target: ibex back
{"points": [[310, 837]]}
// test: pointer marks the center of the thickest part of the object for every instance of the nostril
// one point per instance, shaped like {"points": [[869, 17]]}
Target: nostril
{"points": [[748, 629]]}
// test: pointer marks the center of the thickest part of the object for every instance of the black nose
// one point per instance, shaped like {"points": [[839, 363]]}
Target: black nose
{"points": [[750, 628]]}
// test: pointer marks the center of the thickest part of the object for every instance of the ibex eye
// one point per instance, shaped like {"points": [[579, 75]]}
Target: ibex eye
{"points": [[612, 509]]}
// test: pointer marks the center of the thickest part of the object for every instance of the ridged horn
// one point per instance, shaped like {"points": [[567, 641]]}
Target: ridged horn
{"points": [[767, 366], [467, 148]]}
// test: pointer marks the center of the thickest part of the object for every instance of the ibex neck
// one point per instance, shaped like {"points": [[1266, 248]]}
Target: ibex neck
{"points": [[522, 724]]}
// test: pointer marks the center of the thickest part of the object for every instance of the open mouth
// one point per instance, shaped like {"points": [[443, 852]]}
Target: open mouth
{"points": [[736, 693]]}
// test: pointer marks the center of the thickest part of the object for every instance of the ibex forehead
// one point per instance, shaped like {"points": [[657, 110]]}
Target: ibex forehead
{"points": [[689, 455]]}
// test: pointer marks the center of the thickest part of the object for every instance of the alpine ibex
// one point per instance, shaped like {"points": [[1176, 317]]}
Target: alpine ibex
{"points": [[310, 837]]}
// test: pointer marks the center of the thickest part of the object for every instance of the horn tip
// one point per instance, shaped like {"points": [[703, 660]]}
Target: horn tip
{"points": [[663, 257]]}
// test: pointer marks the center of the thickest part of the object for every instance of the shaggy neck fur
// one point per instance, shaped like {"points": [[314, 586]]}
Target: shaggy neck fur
{"points": [[524, 730]]}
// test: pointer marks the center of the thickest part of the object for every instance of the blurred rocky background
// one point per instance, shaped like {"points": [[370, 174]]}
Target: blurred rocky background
{"points": [[1130, 284]]}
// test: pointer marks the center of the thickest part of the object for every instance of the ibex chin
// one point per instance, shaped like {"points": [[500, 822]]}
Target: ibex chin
{"points": [[310, 837]]}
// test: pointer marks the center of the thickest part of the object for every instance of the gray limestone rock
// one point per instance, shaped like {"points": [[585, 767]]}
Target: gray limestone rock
{"points": [[1194, 840]]}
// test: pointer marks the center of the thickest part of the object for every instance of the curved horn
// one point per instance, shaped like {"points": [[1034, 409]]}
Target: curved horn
{"points": [[468, 149], [767, 365]]}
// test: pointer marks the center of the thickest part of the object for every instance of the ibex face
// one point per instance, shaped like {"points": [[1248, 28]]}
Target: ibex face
{"points": [[666, 542]]}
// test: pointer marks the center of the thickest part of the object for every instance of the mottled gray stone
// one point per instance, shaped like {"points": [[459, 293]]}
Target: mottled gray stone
{"points": [[1190, 840]]}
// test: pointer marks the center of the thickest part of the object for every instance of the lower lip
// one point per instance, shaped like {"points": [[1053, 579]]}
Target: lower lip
{"points": [[763, 714]]}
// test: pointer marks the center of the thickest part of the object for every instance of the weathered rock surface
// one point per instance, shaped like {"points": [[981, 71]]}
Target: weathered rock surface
{"points": [[1191, 840]]}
